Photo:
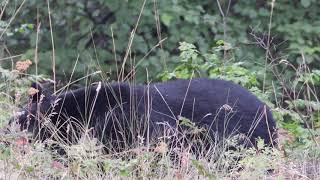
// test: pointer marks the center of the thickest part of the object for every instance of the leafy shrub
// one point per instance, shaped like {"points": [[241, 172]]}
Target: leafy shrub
{"points": [[88, 29]]}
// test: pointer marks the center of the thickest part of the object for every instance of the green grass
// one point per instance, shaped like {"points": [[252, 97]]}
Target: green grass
{"points": [[86, 160]]}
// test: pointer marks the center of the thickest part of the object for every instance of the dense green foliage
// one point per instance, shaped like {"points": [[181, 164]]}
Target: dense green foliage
{"points": [[87, 28]]}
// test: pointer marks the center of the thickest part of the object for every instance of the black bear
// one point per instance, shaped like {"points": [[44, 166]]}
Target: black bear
{"points": [[118, 113]]}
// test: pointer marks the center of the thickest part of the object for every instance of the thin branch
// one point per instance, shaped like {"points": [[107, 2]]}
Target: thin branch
{"points": [[12, 18], [132, 34], [268, 46], [53, 50]]}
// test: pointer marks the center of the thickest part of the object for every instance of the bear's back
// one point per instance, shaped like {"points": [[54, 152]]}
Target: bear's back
{"points": [[221, 105]]}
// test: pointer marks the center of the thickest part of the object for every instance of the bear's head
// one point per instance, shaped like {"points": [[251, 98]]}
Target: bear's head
{"points": [[39, 106]]}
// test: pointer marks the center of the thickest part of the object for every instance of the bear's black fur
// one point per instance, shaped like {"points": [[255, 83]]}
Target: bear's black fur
{"points": [[119, 112]]}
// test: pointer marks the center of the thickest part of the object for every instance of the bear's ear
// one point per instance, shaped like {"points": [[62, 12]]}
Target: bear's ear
{"points": [[35, 92]]}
